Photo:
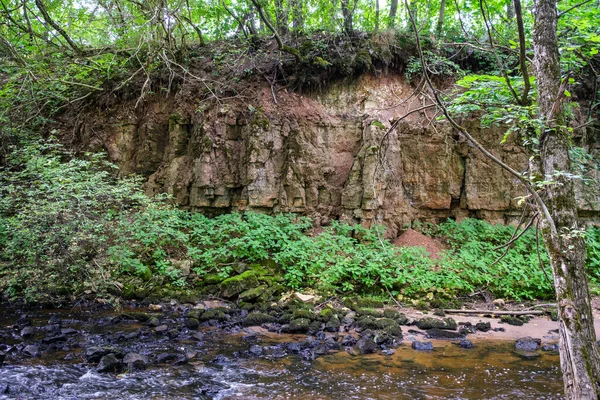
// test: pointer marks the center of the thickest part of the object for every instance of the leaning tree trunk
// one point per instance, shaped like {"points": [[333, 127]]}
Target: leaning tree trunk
{"points": [[579, 356]]}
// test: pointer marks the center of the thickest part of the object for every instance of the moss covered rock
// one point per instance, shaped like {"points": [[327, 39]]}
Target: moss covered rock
{"points": [[239, 283], [333, 325], [252, 294], [214, 314], [370, 312], [300, 325], [430, 323], [257, 319]]}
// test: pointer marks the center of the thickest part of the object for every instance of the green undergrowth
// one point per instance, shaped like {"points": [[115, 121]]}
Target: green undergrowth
{"points": [[68, 228]]}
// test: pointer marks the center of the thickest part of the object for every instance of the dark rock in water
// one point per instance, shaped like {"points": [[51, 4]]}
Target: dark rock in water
{"points": [[54, 339], [94, 354], [161, 328], [153, 322], [550, 347], [509, 319], [54, 320], [388, 352], [68, 331], [465, 344], [69, 357], [430, 323], [132, 335], [528, 344], [109, 363], [277, 351], [198, 336], [192, 323], [135, 362], [483, 326], [422, 346], [499, 330], [333, 325], [2, 358], [435, 333], [221, 359], [293, 347], [256, 350], [31, 350], [348, 340], [27, 332], [23, 320], [308, 355], [366, 345], [173, 333], [165, 358]]}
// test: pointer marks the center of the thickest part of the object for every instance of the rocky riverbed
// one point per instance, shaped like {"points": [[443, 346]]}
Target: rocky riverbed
{"points": [[213, 349]]}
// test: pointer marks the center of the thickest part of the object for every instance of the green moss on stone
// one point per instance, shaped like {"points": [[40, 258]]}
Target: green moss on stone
{"points": [[253, 293], [257, 319], [237, 284]]}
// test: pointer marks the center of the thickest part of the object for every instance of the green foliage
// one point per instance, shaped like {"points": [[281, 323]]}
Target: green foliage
{"points": [[437, 66]]}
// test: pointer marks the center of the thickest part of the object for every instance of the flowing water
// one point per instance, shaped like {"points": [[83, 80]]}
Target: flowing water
{"points": [[223, 369]]}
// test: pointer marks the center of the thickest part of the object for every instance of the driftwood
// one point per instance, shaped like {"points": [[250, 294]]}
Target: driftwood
{"points": [[496, 312]]}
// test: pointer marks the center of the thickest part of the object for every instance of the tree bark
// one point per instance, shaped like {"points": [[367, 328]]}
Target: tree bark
{"points": [[347, 14], [393, 12], [579, 356], [440, 24], [281, 17], [376, 15]]}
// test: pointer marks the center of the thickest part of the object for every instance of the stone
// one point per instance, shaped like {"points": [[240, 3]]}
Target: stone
{"points": [[465, 344], [300, 325], [550, 347], [155, 307], [388, 352], [499, 302], [528, 344], [27, 332], [54, 339], [2, 358], [483, 326], [509, 319], [257, 319], [440, 334], [194, 313], [135, 362], [69, 331], [109, 363], [161, 329], [31, 350], [366, 345], [192, 323], [422, 346], [429, 323], [256, 350], [95, 353], [305, 298], [239, 283], [153, 322], [165, 358], [253, 293]]}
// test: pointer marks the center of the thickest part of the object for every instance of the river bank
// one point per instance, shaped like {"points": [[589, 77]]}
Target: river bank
{"points": [[101, 348]]}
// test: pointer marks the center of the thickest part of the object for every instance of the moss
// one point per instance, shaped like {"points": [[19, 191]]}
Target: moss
{"points": [[333, 325], [315, 327], [300, 325], [429, 323], [509, 319], [366, 322], [194, 314], [325, 314], [252, 294], [369, 303], [393, 330], [321, 62], [300, 313], [257, 319], [213, 314], [237, 284], [369, 311], [554, 314]]}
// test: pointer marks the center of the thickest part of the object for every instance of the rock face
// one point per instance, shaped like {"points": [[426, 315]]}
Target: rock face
{"points": [[327, 154]]}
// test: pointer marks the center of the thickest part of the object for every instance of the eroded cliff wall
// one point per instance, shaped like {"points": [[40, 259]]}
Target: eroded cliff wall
{"points": [[329, 155]]}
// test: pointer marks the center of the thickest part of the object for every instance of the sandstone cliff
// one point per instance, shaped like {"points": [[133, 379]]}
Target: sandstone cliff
{"points": [[325, 154]]}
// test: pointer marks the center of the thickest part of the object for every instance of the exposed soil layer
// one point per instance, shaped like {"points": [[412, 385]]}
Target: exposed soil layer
{"points": [[413, 238]]}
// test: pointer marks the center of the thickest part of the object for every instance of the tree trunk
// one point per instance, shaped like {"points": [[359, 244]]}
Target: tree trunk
{"points": [[281, 18], [297, 16], [579, 356], [393, 11], [440, 24], [376, 15], [347, 14]]}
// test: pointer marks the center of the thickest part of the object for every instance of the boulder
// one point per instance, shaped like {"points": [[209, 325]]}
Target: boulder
{"points": [[300, 325], [366, 345], [109, 363], [429, 323], [239, 283], [422, 346], [528, 344], [465, 344], [483, 326], [95, 353], [192, 323], [305, 298], [135, 362], [27, 332], [31, 350], [436, 333]]}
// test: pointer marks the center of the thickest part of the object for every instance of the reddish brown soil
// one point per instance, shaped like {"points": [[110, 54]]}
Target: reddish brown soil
{"points": [[413, 238]]}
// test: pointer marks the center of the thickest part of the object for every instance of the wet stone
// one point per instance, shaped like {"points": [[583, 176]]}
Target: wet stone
{"points": [[256, 350], [348, 340], [165, 358], [68, 331], [135, 362], [528, 344], [465, 344], [293, 347], [54, 339], [366, 345], [2, 358], [31, 350], [436, 333], [94, 354], [388, 352], [192, 323], [422, 346], [550, 347], [27, 332], [109, 363], [483, 326], [153, 322], [161, 328]]}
